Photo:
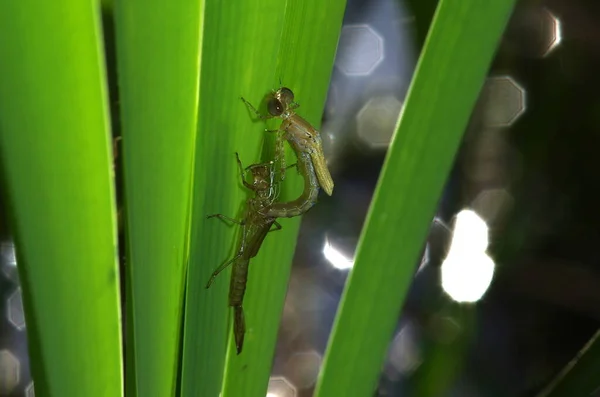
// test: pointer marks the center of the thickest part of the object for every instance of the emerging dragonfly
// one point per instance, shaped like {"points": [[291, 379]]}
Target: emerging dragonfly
{"points": [[301, 135], [256, 223]]}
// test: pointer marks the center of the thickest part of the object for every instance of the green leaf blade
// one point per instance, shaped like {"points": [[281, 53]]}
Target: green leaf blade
{"points": [[158, 50], [247, 50], [56, 166], [234, 44], [446, 84]]}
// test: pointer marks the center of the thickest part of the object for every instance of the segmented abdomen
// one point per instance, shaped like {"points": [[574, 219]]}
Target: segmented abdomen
{"points": [[239, 278], [307, 199]]}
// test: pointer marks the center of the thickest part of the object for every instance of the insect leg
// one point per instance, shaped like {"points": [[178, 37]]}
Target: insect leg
{"points": [[277, 227], [224, 265], [249, 105], [242, 172], [287, 167], [252, 166], [220, 269], [225, 218]]}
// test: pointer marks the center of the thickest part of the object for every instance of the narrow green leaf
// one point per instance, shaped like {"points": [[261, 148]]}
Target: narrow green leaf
{"points": [[57, 173], [304, 63], [580, 376], [158, 50], [231, 50], [447, 81], [247, 48]]}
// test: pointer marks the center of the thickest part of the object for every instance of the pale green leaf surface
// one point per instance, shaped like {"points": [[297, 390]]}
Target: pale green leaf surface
{"points": [[57, 173], [158, 50]]}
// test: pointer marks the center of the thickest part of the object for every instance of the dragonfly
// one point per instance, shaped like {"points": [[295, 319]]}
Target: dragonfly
{"points": [[257, 221], [262, 210], [301, 135]]}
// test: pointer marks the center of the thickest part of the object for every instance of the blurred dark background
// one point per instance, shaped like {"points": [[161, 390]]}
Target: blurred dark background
{"points": [[526, 167]]}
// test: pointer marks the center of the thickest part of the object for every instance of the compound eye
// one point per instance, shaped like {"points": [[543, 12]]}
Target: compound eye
{"points": [[286, 95], [275, 107]]}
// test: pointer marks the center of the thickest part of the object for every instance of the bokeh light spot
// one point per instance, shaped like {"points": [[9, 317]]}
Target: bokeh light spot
{"points": [[360, 50], [302, 369], [336, 257], [15, 310], [467, 271], [280, 387], [505, 101], [9, 372], [376, 121]]}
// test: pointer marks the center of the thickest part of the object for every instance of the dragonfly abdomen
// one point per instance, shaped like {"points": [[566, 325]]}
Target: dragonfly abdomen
{"points": [[239, 279], [309, 196]]}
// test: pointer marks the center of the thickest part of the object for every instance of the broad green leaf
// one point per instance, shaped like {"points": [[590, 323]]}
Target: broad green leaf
{"points": [[248, 48], [56, 165]]}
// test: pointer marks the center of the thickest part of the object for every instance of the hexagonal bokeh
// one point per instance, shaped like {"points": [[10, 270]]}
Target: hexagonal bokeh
{"points": [[302, 369], [30, 390], [505, 101], [280, 387], [533, 31], [9, 372], [376, 121], [8, 261], [556, 32], [15, 310], [360, 50]]}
